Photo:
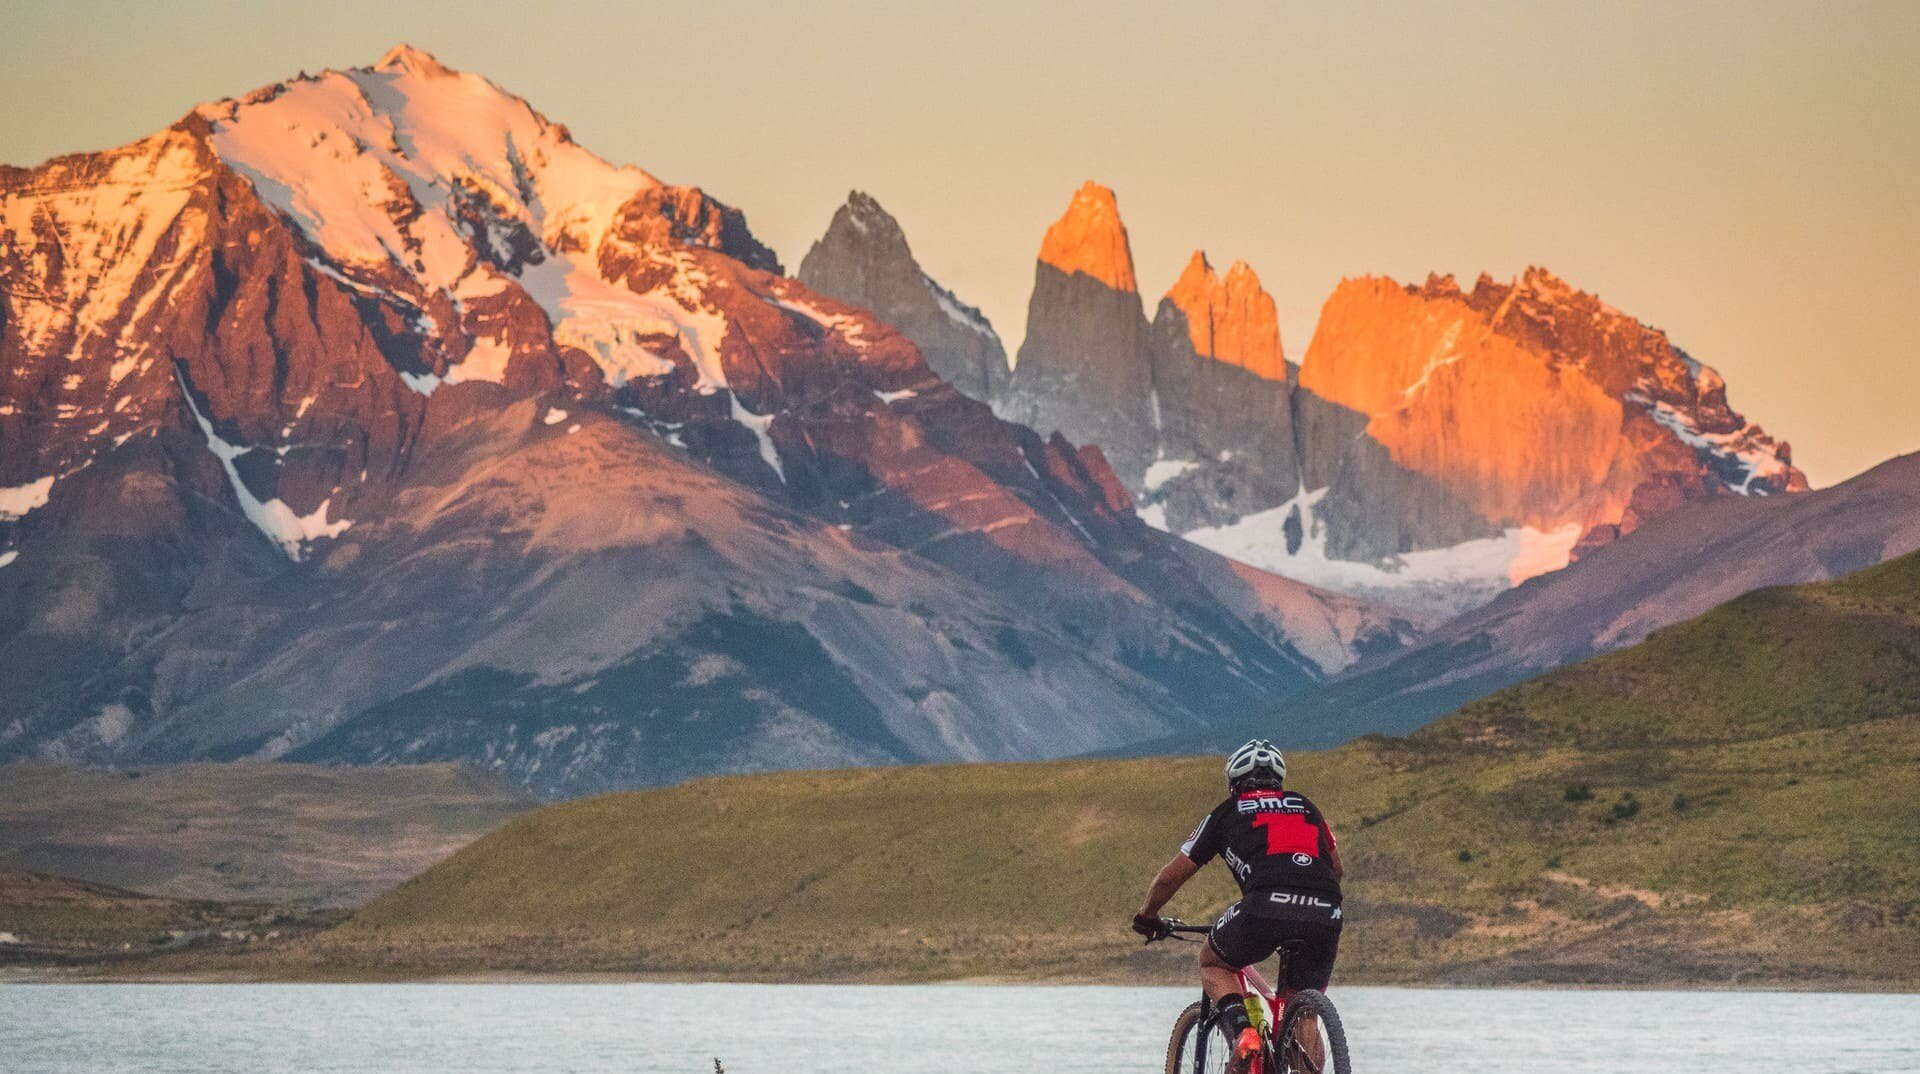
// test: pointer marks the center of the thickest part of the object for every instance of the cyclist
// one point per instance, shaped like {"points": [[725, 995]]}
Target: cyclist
{"points": [[1288, 867]]}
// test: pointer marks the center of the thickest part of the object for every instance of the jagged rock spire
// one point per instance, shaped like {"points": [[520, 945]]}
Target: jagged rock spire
{"points": [[864, 260], [1231, 320], [1084, 368], [1090, 239]]}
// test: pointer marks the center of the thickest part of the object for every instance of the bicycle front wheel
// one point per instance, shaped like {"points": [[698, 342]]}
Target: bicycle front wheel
{"points": [[1196, 1046], [1311, 1040]]}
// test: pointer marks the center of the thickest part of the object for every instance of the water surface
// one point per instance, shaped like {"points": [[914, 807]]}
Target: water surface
{"points": [[917, 1029]]}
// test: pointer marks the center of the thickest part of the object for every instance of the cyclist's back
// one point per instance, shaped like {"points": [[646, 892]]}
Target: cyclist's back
{"points": [[1273, 840], [1284, 857]]}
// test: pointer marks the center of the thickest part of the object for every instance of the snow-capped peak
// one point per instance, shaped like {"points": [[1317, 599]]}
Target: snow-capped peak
{"points": [[376, 164], [405, 57], [420, 183]]}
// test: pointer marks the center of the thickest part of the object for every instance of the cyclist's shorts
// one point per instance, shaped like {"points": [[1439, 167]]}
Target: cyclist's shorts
{"points": [[1252, 929]]}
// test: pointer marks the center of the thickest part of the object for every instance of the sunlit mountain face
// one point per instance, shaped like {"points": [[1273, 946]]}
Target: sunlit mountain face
{"points": [[1434, 447]]}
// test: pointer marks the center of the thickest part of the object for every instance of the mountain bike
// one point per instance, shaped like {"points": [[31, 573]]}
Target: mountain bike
{"points": [[1310, 1039]]}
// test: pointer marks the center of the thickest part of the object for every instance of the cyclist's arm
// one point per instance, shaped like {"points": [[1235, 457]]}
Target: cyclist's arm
{"points": [[1333, 852], [1172, 875]]}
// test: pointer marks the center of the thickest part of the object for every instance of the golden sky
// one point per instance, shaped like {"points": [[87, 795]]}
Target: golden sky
{"points": [[1743, 175]]}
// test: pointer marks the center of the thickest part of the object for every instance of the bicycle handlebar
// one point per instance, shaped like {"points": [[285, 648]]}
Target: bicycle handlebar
{"points": [[1174, 926]]}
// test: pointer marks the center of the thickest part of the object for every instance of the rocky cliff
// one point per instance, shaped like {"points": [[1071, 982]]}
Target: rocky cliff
{"points": [[1084, 368], [1537, 404], [864, 260], [1230, 319], [1454, 443], [1222, 401]]}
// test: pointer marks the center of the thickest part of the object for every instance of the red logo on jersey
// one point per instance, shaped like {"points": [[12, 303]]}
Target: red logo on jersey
{"points": [[1290, 833]]}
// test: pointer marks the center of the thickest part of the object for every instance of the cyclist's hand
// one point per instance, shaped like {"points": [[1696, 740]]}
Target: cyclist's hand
{"points": [[1151, 926]]}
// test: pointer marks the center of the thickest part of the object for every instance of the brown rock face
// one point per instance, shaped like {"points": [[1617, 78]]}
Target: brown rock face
{"points": [[1226, 435], [686, 216], [1522, 441], [151, 272], [1496, 432], [864, 260], [1198, 412]]}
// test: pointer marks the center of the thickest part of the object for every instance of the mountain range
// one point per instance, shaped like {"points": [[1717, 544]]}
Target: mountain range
{"points": [[369, 419], [1435, 447]]}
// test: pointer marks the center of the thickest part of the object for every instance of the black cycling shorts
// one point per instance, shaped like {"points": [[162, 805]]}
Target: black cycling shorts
{"points": [[1252, 929]]}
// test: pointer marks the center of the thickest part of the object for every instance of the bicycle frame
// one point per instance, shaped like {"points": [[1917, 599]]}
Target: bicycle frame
{"points": [[1252, 983]]}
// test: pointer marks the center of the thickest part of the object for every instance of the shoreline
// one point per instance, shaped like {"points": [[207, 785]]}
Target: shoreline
{"points": [[72, 975]]}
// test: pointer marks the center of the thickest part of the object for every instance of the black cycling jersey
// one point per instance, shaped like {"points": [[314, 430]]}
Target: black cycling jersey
{"points": [[1274, 841]]}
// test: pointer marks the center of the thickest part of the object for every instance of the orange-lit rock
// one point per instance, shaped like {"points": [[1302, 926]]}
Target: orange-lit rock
{"points": [[1084, 369], [1230, 320], [1538, 404], [1090, 239], [1223, 402]]}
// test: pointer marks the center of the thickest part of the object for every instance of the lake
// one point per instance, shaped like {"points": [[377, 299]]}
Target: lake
{"points": [[997, 1029]]}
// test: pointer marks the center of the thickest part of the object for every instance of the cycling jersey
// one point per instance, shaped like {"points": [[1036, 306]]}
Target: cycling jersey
{"points": [[1276, 843]]}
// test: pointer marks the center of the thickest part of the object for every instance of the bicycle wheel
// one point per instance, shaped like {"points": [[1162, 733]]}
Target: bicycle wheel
{"points": [[1311, 1040], [1185, 1054]]}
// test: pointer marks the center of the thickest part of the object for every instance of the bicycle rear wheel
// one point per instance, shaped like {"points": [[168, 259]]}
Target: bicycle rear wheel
{"points": [[1196, 1047], [1311, 1040]]}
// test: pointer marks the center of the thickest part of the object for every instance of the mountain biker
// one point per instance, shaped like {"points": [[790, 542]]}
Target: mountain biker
{"points": [[1288, 866]]}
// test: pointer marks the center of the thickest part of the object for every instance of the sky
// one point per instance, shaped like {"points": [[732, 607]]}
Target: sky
{"points": [[1745, 176]]}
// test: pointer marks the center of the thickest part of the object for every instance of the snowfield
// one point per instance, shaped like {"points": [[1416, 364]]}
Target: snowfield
{"points": [[1446, 581]]}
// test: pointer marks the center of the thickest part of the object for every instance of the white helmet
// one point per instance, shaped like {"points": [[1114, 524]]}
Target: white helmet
{"points": [[1257, 756]]}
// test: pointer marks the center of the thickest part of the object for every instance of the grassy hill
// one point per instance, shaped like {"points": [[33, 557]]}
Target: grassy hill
{"points": [[1735, 800], [1468, 865], [261, 832], [1794, 658], [48, 921]]}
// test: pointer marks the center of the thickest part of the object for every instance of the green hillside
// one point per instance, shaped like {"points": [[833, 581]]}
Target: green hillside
{"points": [[1796, 658], [1735, 800]]}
